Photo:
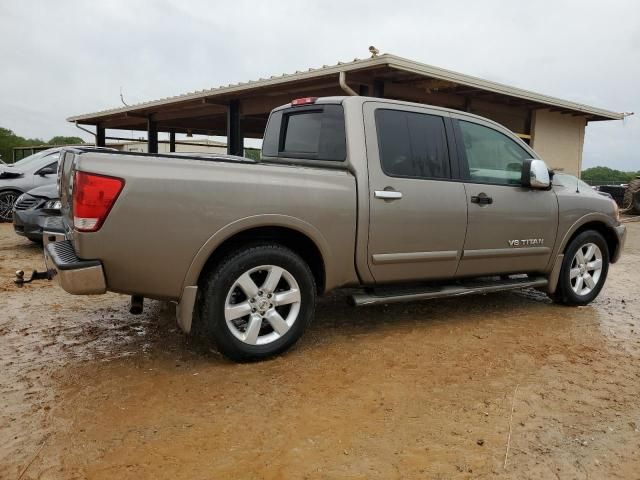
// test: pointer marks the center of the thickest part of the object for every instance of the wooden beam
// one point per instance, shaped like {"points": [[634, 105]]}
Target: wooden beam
{"points": [[214, 101], [172, 140], [137, 115], [235, 140], [100, 136], [378, 88], [195, 111], [152, 136]]}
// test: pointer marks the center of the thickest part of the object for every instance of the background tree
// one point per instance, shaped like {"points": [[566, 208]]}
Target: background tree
{"points": [[9, 140], [602, 175], [59, 140]]}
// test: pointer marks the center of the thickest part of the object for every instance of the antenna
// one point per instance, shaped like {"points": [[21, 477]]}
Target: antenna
{"points": [[122, 98]]}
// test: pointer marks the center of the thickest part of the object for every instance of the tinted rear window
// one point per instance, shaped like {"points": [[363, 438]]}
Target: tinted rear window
{"points": [[303, 132], [315, 132], [412, 144]]}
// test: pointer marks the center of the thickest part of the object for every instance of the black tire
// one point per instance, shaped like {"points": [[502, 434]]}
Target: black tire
{"points": [[565, 293], [7, 201], [215, 286]]}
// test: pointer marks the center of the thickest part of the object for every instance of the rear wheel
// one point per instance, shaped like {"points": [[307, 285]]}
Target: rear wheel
{"points": [[584, 269], [256, 303], [7, 201]]}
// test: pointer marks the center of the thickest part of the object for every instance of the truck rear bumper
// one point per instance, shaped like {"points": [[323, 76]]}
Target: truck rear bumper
{"points": [[74, 275]]}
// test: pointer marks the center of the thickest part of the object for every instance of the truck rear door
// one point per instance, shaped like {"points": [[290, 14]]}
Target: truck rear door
{"points": [[417, 211]]}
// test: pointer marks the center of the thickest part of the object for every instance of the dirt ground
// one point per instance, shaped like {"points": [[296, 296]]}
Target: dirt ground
{"points": [[421, 390]]}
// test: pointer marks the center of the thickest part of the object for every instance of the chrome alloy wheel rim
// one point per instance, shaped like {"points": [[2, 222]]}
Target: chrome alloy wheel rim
{"points": [[262, 305], [7, 201], [586, 269]]}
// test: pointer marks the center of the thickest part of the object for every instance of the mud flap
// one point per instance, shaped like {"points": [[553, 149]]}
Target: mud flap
{"points": [[184, 309], [555, 274]]}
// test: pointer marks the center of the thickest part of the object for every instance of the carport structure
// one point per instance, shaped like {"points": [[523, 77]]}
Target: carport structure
{"points": [[554, 127]]}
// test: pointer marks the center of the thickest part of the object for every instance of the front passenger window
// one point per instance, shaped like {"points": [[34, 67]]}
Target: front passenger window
{"points": [[492, 156]]}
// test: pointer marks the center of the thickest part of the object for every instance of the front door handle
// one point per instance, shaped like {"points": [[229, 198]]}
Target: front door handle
{"points": [[482, 199], [388, 194]]}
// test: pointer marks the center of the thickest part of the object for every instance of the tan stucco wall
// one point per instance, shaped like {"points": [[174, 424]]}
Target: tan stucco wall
{"points": [[558, 139]]}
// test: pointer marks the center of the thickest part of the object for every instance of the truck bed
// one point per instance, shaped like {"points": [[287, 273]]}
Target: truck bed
{"points": [[175, 208]]}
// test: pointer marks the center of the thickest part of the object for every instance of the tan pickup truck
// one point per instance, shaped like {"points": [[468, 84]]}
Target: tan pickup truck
{"points": [[400, 201]]}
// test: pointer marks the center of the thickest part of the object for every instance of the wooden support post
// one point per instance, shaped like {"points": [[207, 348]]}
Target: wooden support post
{"points": [[235, 139], [152, 136], [172, 140], [101, 140], [378, 88], [467, 104]]}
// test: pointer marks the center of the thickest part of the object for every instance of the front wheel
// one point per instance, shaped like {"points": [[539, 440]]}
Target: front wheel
{"points": [[257, 302], [584, 269], [7, 201]]}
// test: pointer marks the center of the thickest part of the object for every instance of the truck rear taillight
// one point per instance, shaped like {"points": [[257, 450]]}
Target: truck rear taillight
{"points": [[93, 197], [303, 101]]}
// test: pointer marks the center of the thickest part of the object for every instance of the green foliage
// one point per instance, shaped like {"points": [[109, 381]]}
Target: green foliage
{"points": [[602, 175], [9, 140], [59, 140], [252, 153]]}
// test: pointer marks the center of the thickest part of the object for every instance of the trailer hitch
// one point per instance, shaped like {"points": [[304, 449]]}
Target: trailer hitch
{"points": [[35, 275]]}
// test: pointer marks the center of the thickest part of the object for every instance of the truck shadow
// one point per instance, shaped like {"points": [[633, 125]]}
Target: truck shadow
{"points": [[336, 319]]}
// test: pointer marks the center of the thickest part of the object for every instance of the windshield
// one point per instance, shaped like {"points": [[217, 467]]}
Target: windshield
{"points": [[33, 158]]}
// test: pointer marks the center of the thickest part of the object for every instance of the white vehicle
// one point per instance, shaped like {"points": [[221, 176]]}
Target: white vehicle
{"points": [[33, 171]]}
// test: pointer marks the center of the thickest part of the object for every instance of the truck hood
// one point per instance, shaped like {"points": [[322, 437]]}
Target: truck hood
{"points": [[45, 191], [576, 198]]}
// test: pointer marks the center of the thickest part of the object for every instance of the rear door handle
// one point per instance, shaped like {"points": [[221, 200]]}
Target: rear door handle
{"points": [[482, 199], [388, 194]]}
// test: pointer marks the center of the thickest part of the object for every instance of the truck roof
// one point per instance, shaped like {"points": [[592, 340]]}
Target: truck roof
{"points": [[335, 100]]}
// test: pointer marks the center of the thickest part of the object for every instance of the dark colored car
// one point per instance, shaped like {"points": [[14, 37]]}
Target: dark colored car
{"points": [[33, 208]]}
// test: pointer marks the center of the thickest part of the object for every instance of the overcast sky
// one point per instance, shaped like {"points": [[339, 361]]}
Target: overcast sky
{"points": [[60, 58]]}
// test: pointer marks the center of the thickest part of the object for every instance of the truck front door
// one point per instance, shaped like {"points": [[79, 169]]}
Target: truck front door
{"points": [[511, 228], [417, 211]]}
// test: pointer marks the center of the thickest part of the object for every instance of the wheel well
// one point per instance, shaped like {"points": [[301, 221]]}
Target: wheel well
{"points": [[292, 239], [604, 230]]}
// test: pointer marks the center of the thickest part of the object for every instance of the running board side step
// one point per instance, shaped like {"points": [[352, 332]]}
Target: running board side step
{"points": [[455, 290]]}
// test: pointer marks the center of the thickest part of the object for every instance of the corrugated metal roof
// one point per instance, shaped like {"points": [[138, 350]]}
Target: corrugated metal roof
{"points": [[385, 60]]}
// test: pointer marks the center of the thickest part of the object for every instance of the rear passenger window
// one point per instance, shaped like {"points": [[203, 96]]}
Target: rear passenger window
{"points": [[412, 144]]}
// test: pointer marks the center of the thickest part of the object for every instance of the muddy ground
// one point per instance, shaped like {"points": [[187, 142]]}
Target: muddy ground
{"points": [[422, 390]]}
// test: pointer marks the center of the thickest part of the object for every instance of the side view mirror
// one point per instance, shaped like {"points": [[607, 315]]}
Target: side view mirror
{"points": [[43, 172], [535, 174]]}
